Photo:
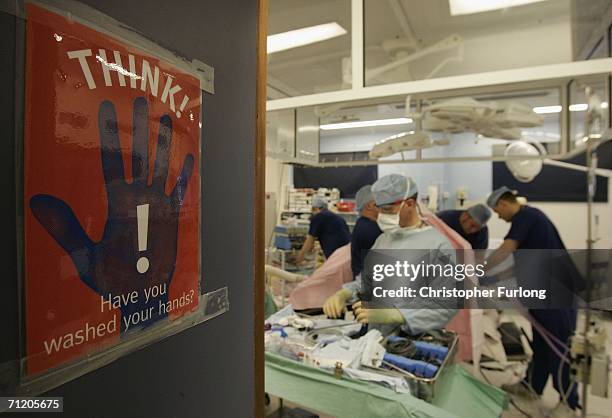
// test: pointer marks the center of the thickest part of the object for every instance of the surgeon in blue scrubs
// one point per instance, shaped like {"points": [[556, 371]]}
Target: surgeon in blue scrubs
{"points": [[532, 229], [471, 224], [366, 229], [330, 229]]}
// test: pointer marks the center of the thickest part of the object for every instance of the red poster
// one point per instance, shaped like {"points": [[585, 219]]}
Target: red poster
{"points": [[111, 193]]}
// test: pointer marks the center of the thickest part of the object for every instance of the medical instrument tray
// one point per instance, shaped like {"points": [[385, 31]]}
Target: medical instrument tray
{"points": [[422, 387]]}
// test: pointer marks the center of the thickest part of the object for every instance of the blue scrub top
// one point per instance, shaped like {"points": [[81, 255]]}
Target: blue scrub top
{"points": [[364, 235], [331, 231], [532, 229], [478, 240]]}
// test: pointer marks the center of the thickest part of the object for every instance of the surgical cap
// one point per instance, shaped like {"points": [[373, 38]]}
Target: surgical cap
{"points": [[393, 188], [319, 202], [363, 196], [496, 194], [480, 213]]}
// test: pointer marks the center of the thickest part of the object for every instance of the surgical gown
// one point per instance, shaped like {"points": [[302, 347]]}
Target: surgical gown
{"points": [[424, 314]]}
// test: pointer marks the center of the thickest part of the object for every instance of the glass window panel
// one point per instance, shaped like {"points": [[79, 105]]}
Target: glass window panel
{"points": [[453, 141], [600, 50], [580, 123], [350, 118], [307, 135], [280, 134], [414, 40], [314, 67], [587, 24]]}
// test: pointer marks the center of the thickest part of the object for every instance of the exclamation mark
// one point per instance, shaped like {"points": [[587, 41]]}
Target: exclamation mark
{"points": [[142, 215], [182, 106]]}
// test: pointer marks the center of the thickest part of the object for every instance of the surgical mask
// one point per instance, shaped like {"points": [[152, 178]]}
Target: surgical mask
{"points": [[389, 221]]}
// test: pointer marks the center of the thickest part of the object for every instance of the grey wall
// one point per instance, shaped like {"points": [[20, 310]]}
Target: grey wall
{"points": [[206, 370], [9, 306]]}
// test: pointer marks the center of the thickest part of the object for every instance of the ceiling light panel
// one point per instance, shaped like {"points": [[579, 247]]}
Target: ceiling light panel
{"points": [[541, 110], [466, 7], [304, 36], [577, 107], [365, 123]]}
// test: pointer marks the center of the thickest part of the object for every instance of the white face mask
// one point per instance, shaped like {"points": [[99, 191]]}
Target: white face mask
{"points": [[388, 221]]}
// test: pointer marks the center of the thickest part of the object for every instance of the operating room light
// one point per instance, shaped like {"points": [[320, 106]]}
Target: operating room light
{"points": [[365, 123], [466, 7], [547, 109], [578, 107], [304, 36]]}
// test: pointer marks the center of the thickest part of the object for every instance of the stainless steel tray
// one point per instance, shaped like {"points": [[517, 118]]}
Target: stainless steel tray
{"points": [[422, 387]]}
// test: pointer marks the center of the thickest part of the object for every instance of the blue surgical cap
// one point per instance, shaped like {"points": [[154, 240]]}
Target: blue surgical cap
{"points": [[319, 202], [393, 188], [496, 194], [480, 213], [363, 196]]}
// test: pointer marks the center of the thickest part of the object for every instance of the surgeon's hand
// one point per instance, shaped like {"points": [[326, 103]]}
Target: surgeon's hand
{"points": [[377, 316], [335, 305]]}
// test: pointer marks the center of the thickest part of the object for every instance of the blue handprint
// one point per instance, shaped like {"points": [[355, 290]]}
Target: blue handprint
{"points": [[110, 265]]}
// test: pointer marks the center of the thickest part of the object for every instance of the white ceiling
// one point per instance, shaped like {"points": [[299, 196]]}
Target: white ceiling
{"points": [[317, 67], [586, 18], [431, 20]]}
